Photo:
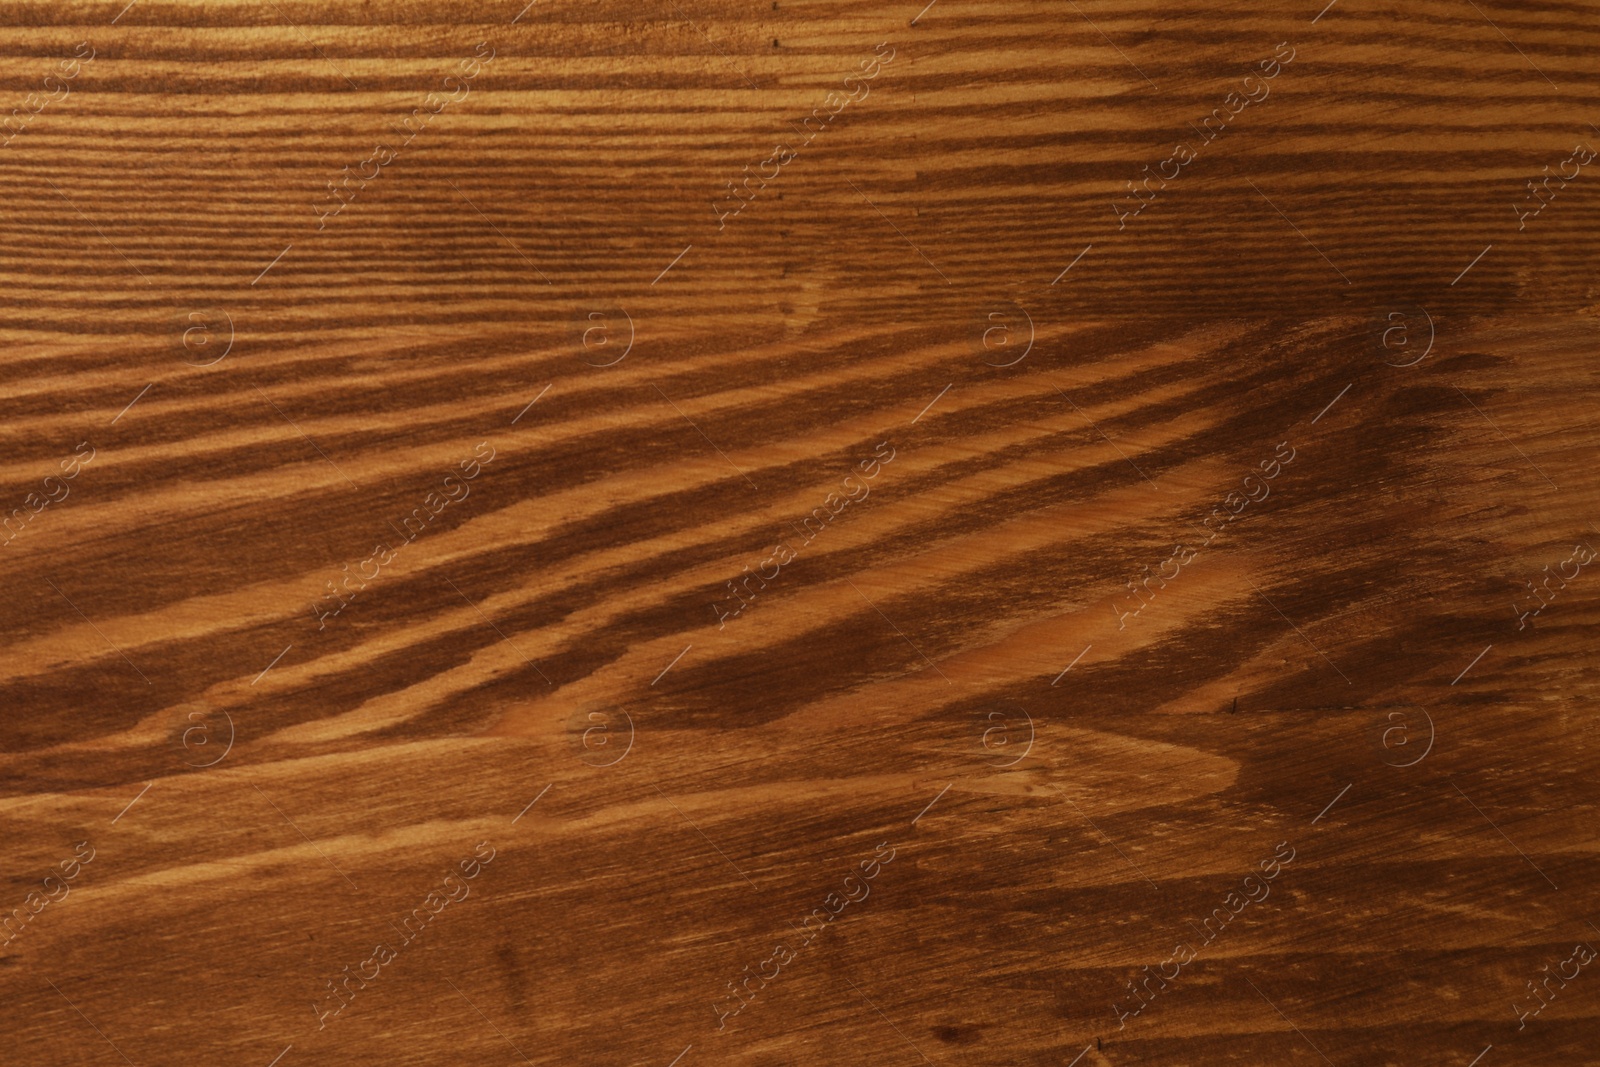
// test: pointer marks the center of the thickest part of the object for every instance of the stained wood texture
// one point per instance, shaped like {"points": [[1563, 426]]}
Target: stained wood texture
{"points": [[1323, 782]]}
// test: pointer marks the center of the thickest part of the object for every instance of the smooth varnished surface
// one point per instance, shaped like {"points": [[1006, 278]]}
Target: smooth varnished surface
{"points": [[799, 533]]}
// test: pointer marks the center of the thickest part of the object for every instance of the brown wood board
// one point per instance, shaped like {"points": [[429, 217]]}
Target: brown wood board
{"points": [[799, 533]]}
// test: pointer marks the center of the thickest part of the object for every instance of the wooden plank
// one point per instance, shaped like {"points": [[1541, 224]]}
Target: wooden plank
{"points": [[965, 533]]}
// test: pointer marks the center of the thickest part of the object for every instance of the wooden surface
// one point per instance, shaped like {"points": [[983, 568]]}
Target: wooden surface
{"points": [[940, 775]]}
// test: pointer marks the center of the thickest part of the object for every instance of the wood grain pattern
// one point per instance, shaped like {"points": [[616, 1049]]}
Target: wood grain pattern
{"points": [[879, 610]]}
